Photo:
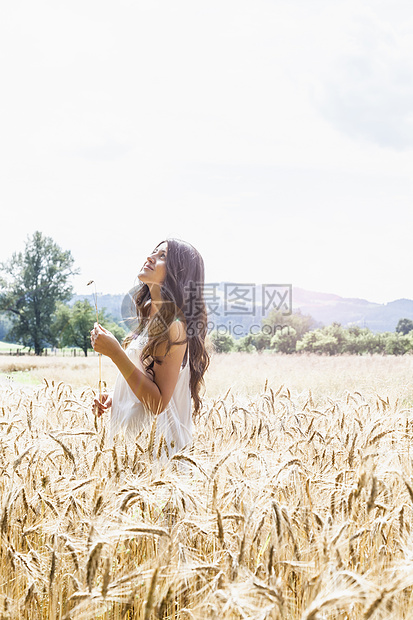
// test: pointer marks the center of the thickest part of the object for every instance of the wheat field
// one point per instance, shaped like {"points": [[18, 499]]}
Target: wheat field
{"points": [[295, 501]]}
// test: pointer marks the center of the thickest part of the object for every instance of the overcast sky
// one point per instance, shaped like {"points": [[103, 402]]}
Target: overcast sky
{"points": [[274, 135]]}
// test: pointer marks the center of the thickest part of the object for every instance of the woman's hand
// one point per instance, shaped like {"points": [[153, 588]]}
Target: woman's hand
{"points": [[103, 341], [100, 406]]}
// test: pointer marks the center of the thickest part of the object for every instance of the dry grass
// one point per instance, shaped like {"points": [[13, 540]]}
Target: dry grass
{"points": [[244, 373], [293, 503], [78, 371]]}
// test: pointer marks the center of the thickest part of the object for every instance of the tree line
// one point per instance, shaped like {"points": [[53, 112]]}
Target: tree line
{"points": [[35, 288], [298, 333]]}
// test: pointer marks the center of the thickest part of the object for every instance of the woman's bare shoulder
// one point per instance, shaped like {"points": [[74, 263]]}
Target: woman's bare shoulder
{"points": [[176, 337], [177, 331]]}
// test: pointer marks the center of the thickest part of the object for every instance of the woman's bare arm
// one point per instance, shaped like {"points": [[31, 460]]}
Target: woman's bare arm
{"points": [[154, 394]]}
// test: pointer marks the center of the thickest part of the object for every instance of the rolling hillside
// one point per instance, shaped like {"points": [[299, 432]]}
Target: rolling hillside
{"points": [[325, 308]]}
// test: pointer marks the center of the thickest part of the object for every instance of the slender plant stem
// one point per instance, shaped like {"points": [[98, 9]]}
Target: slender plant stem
{"points": [[97, 321]]}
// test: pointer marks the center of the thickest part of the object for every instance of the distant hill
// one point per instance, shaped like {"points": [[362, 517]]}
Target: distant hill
{"points": [[112, 303], [325, 308]]}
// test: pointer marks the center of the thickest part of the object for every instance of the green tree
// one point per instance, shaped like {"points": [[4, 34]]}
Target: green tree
{"points": [[396, 344], [335, 339], [361, 341], [33, 282], [404, 326], [245, 344], [223, 343], [5, 326], [261, 341], [309, 342], [284, 340], [276, 320], [323, 341], [71, 325]]}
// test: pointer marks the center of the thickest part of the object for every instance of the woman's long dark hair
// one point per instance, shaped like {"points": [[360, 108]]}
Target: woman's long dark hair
{"points": [[182, 293]]}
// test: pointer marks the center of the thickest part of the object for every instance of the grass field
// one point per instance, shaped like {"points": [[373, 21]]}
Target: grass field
{"points": [[8, 346], [295, 502]]}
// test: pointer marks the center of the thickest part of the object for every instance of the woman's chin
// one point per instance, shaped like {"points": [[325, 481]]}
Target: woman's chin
{"points": [[145, 279]]}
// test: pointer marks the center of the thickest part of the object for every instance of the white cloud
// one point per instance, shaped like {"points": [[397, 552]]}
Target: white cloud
{"points": [[367, 92]]}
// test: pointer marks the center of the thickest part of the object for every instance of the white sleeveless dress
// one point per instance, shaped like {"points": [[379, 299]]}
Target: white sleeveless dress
{"points": [[130, 416]]}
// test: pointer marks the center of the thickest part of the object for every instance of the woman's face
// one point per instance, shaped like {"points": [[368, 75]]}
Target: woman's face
{"points": [[154, 270]]}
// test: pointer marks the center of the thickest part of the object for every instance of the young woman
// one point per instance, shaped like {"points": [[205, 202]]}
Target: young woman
{"points": [[162, 363]]}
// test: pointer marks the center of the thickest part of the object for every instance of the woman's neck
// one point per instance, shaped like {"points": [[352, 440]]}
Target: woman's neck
{"points": [[155, 301], [155, 307]]}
